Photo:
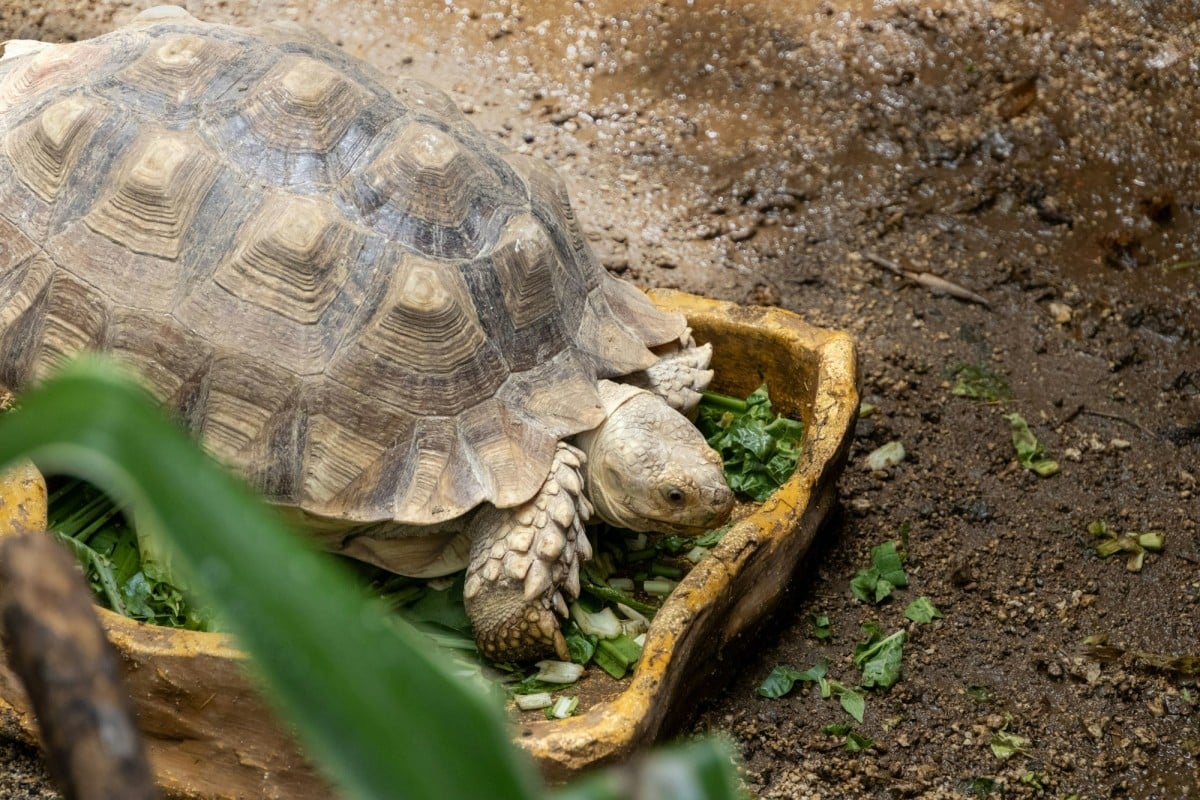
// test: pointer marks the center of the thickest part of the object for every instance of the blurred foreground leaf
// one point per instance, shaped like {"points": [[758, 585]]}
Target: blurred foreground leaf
{"points": [[370, 702], [703, 769]]}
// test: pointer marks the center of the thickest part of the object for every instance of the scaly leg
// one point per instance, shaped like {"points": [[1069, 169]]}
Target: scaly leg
{"points": [[680, 375], [522, 562]]}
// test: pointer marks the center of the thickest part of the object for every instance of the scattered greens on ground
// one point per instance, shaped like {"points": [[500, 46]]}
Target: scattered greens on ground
{"points": [[982, 786], [329, 658], [873, 584], [888, 455], [922, 610], [1098, 648], [1031, 454], [979, 382], [853, 701], [1134, 545], [93, 528], [759, 447], [821, 626], [980, 694], [1033, 779], [1005, 745], [879, 656], [853, 742], [783, 679]]}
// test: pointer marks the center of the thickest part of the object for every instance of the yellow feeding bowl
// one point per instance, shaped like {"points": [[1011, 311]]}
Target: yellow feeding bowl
{"points": [[210, 736]]}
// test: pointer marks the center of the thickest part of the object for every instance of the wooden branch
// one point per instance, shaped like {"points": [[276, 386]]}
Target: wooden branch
{"points": [[933, 283], [54, 642]]}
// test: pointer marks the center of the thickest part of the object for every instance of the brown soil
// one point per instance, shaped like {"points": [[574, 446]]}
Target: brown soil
{"points": [[1044, 159]]}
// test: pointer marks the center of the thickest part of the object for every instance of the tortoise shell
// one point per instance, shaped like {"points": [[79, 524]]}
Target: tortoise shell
{"points": [[348, 293]]}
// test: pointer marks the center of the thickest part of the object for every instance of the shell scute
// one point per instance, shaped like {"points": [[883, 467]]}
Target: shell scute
{"points": [[155, 191], [43, 150], [423, 346], [424, 187]]}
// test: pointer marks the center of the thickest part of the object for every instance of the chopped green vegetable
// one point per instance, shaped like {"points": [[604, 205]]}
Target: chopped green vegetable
{"points": [[821, 626], [922, 610], [978, 382], [853, 702], [1005, 745], [759, 448], [980, 694], [551, 671], [615, 656], [610, 594], [602, 624], [580, 645], [659, 588], [1151, 540], [873, 584], [533, 702], [978, 787], [856, 742], [92, 527], [1033, 779], [563, 707], [879, 656], [1031, 454], [711, 538], [888, 455], [783, 678], [1134, 545]]}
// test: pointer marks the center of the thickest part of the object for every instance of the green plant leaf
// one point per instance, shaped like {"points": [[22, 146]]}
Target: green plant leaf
{"points": [[370, 701], [759, 448], [853, 702], [979, 382], [1029, 452], [921, 610], [875, 583], [781, 679], [879, 657], [856, 742], [1005, 745]]}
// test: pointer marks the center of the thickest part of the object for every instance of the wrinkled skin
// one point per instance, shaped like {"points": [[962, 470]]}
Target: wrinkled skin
{"points": [[649, 469]]}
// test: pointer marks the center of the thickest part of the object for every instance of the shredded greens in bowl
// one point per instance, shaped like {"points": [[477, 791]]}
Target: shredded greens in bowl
{"points": [[95, 530], [623, 585]]}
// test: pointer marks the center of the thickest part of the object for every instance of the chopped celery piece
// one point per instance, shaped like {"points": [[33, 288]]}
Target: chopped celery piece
{"points": [[616, 656]]}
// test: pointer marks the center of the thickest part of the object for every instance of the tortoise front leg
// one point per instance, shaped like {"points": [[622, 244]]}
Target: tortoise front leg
{"points": [[522, 562], [680, 375]]}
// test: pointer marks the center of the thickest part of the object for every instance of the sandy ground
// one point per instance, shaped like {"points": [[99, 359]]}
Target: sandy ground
{"points": [[777, 153]]}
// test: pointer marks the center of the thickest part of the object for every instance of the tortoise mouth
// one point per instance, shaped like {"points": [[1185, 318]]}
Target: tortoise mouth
{"points": [[718, 518]]}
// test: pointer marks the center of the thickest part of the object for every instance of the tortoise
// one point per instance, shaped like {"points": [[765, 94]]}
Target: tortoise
{"points": [[379, 317]]}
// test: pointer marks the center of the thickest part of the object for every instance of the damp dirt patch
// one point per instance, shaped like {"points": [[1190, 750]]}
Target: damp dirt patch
{"points": [[776, 153]]}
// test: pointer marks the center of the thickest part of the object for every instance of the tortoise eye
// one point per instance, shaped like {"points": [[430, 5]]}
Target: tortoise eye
{"points": [[674, 495]]}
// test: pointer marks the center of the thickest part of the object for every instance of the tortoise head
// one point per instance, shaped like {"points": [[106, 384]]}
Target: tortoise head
{"points": [[649, 469]]}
